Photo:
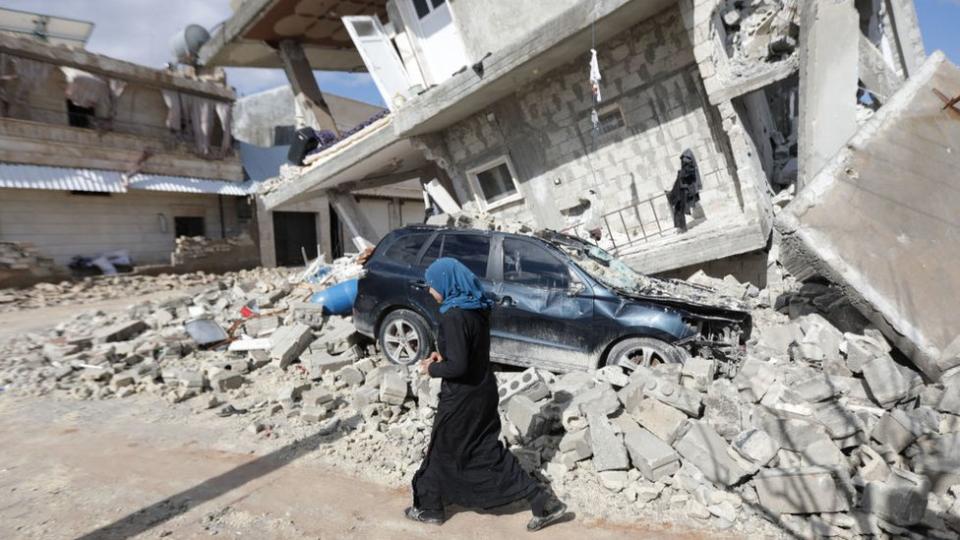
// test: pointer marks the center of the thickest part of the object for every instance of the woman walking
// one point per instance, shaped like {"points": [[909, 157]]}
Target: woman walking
{"points": [[466, 464]]}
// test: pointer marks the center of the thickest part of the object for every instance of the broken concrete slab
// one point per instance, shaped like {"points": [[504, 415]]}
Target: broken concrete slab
{"points": [[609, 452], [862, 194], [661, 419], [756, 446], [755, 378], [698, 373], [802, 490], [895, 429], [885, 381], [577, 443], [704, 448], [901, 499], [393, 388], [123, 331], [288, 342], [654, 458]]}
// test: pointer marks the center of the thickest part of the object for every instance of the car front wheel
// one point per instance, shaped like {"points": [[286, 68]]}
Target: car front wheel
{"points": [[644, 351], [404, 337]]}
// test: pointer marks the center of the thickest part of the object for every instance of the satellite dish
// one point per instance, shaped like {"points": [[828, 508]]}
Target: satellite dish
{"points": [[45, 28], [186, 43]]}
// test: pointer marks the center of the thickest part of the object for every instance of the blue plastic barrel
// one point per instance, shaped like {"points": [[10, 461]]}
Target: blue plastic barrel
{"points": [[338, 299]]}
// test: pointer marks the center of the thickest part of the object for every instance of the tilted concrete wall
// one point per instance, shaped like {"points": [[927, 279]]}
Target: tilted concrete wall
{"points": [[881, 219], [651, 73]]}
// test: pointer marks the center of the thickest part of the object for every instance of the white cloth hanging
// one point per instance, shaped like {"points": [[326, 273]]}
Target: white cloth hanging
{"points": [[85, 89], [172, 100], [224, 113], [595, 75]]}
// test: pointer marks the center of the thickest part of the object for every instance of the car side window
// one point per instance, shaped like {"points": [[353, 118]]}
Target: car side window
{"points": [[405, 249], [470, 249], [526, 263], [433, 252]]}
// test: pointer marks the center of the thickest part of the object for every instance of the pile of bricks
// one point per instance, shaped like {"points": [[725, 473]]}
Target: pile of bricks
{"points": [[200, 247]]}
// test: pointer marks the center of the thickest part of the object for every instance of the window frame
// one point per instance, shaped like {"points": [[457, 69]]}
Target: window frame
{"points": [[474, 180], [572, 277]]}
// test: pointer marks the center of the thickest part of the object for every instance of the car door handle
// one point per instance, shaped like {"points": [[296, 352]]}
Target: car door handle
{"points": [[419, 285], [506, 301]]}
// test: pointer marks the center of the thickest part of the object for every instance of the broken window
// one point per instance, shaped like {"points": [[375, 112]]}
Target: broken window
{"points": [[78, 116], [526, 263], [610, 118], [470, 249], [188, 226], [405, 249], [496, 183]]}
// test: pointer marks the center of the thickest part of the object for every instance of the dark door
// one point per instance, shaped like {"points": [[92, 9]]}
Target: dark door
{"points": [[188, 226], [291, 232], [543, 312]]}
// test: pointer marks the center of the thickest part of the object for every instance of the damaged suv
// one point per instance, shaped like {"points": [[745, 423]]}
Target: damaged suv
{"points": [[560, 303]]}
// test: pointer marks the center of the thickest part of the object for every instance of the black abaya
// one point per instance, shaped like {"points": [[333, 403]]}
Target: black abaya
{"points": [[466, 464]]}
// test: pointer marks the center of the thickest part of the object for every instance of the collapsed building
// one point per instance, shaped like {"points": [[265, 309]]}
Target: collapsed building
{"points": [[574, 116]]}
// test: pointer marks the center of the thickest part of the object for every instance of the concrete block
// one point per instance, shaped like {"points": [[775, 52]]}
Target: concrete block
{"points": [[792, 434], [226, 380], [807, 352], [600, 399], [873, 467], [816, 388], [609, 452], [895, 429], [654, 458], [364, 397], [663, 390], [661, 419], [313, 413], [943, 472], [779, 338], [704, 448], [393, 389], [536, 391], [825, 453], [698, 373], [316, 396], [803, 490], [577, 443], [949, 401], [288, 342], [428, 391], [317, 361], [754, 378], [901, 500], [525, 416], [612, 375], [123, 331], [351, 376], [839, 421], [860, 350], [518, 383], [722, 408], [756, 446]]}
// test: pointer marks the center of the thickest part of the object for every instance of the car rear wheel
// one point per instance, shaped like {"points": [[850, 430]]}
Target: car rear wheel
{"points": [[404, 337], [643, 351]]}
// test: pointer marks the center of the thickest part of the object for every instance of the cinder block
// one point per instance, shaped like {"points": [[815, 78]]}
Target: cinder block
{"points": [[123, 331], [613, 375], [393, 389], [352, 376], [577, 443], [838, 420], [525, 416], [754, 378], [226, 380], [317, 362], [901, 500], [666, 391], [661, 419], [885, 381], [518, 383], [609, 452], [704, 448], [816, 388], [654, 458], [803, 490], [756, 446], [288, 342], [895, 429], [698, 373], [365, 396], [428, 392], [316, 396], [792, 434]]}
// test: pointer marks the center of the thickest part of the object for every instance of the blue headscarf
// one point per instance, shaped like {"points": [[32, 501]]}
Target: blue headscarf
{"points": [[459, 286]]}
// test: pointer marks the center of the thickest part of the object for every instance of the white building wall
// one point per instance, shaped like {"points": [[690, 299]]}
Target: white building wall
{"points": [[62, 225]]}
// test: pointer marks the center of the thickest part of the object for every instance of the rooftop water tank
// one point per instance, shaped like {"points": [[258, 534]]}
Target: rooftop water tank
{"points": [[186, 43]]}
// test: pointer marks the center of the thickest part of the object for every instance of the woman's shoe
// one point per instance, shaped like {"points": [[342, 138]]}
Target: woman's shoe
{"points": [[537, 523], [433, 517]]}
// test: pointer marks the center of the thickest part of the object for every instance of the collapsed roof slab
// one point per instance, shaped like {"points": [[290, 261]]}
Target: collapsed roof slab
{"points": [[880, 219]]}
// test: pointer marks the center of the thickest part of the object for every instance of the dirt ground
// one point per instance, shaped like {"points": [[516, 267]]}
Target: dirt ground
{"points": [[141, 468]]}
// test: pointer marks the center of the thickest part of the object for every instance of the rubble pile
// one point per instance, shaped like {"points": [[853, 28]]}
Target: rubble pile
{"points": [[21, 259], [758, 31], [819, 431], [99, 288], [194, 248]]}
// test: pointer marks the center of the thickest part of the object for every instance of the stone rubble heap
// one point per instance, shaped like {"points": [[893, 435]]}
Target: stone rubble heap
{"points": [[20, 260], [820, 431], [191, 248]]}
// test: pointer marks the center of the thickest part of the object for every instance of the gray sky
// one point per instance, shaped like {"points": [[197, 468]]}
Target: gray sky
{"points": [[140, 30]]}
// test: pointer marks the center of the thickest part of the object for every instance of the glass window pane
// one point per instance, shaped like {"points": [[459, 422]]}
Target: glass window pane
{"points": [[526, 263], [422, 8], [405, 249], [438, 3], [496, 183], [433, 252], [364, 28], [472, 250]]}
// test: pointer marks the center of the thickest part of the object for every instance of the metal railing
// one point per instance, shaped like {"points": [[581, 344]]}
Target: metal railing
{"points": [[633, 214]]}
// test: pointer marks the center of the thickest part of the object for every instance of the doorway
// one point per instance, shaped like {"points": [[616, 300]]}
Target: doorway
{"points": [[294, 233], [439, 39]]}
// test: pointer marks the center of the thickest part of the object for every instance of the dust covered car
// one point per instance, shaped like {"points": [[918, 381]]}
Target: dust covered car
{"points": [[560, 303]]}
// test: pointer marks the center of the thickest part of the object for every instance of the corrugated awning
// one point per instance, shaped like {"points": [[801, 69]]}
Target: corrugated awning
{"points": [[68, 179], [59, 178]]}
